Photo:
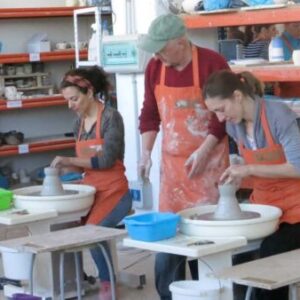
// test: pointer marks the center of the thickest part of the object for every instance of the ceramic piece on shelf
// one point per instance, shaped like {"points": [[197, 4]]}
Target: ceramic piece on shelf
{"points": [[20, 83], [27, 68], [296, 57], [38, 67], [2, 71], [189, 5], [14, 137], [10, 70], [61, 45], [19, 70], [82, 2], [71, 2], [10, 92]]}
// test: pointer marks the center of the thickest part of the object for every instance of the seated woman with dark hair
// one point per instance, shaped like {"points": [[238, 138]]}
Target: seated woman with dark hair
{"points": [[258, 47]]}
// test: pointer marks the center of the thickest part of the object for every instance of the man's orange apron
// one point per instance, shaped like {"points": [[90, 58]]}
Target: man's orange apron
{"points": [[185, 120], [283, 193], [111, 184]]}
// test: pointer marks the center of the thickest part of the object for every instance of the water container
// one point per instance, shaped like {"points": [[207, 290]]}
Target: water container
{"points": [[276, 50], [17, 265], [193, 290]]}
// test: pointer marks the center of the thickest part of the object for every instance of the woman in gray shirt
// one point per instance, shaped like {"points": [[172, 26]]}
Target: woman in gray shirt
{"points": [[268, 137]]}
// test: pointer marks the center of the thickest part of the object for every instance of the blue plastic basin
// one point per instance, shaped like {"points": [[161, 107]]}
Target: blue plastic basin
{"points": [[152, 227]]}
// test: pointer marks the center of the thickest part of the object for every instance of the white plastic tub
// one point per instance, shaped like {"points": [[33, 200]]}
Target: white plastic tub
{"points": [[193, 290], [17, 265]]}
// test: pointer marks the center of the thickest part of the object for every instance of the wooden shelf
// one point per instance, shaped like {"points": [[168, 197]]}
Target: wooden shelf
{"points": [[238, 18], [14, 58], [38, 146], [32, 103], [280, 73], [39, 12]]}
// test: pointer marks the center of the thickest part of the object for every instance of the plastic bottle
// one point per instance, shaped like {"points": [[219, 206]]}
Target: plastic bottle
{"points": [[105, 29], [92, 48], [276, 50]]}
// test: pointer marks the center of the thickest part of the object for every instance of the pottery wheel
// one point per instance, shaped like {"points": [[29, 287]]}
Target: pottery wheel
{"points": [[211, 216]]}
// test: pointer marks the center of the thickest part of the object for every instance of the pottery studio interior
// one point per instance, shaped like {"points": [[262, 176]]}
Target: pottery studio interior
{"points": [[189, 110]]}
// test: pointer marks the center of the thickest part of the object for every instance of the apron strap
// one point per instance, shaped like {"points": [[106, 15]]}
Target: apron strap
{"points": [[265, 125], [162, 74], [98, 123], [196, 77], [287, 43]]}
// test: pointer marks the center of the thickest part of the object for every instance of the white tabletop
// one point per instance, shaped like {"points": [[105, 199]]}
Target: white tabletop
{"points": [[184, 245], [16, 216]]}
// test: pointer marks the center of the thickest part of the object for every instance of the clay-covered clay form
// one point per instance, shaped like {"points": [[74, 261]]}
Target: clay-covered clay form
{"points": [[52, 185], [228, 207]]}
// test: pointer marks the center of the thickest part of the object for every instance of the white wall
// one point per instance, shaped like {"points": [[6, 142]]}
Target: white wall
{"points": [[31, 3], [145, 12]]}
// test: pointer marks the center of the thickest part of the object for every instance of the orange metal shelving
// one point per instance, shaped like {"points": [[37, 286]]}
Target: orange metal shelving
{"points": [[32, 103], [44, 56], [37, 12], [39, 146], [278, 73], [238, 18]]}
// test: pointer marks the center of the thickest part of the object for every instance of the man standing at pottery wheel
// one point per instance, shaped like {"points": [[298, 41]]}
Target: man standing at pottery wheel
{"points": [[194, 147]]}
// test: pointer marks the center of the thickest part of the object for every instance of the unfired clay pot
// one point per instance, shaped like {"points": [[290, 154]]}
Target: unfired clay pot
{"points": [[51, 184]]}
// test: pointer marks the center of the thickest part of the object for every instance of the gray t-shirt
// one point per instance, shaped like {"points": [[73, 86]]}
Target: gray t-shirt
{"points": [[283, 123], [112, 131]]}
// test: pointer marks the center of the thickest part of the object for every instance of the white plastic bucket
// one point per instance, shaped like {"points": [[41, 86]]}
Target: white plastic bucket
{"points": [[17, 265], [193, 290]]}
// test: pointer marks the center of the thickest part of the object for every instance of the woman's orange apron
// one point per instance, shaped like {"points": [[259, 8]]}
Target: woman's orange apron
{"points": [[111, 184], [185, 120], [283, 193]]}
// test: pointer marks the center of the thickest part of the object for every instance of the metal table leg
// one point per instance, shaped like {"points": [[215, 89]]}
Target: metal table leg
{"points": [[62, 274], [110, 270], [77, 267], [293, 291], [249, 292], [31, 274]]}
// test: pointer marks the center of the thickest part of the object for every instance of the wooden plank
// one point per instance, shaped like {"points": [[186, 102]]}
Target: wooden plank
{"points": [[62, 239], [267, 273]]}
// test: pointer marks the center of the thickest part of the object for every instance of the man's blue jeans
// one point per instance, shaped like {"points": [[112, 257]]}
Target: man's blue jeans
{"points": [[112, 220], [169, 268]]}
